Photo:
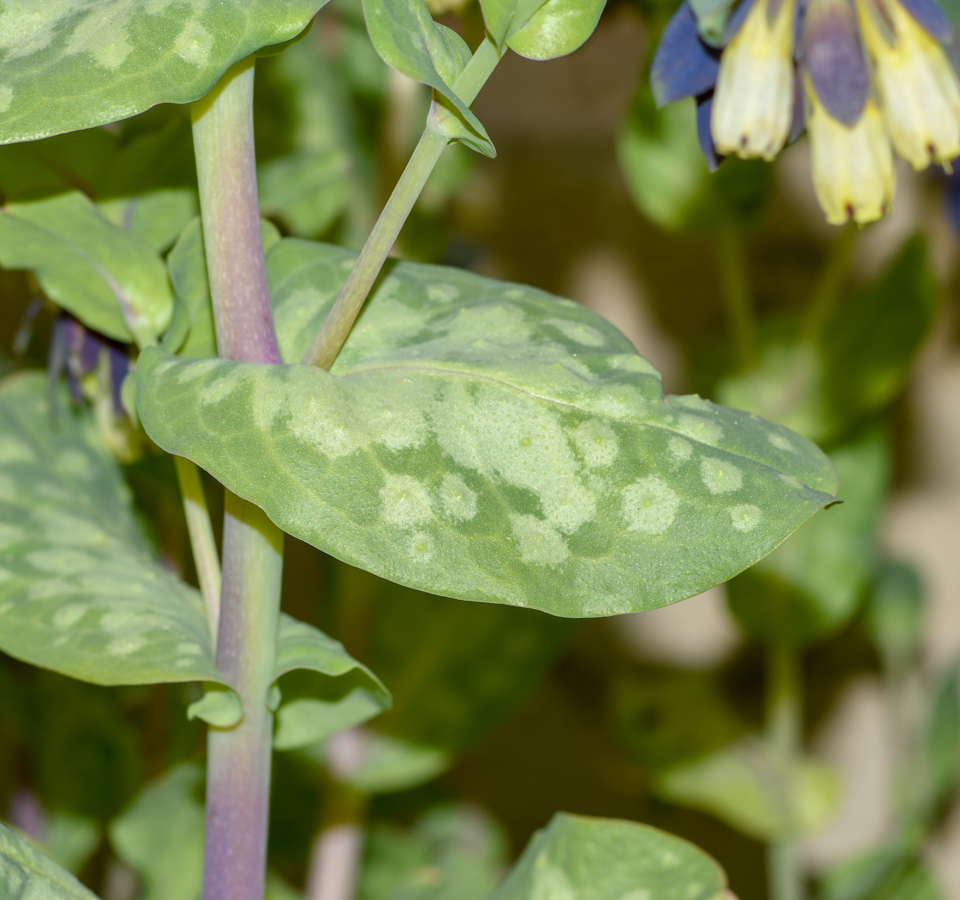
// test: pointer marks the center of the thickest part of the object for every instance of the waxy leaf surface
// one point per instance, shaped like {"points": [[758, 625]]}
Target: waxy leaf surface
{"points": [[82, 594], [541, 29], [485, 441], [71, 64], [109, 278], [603, 859], [27, 873]]}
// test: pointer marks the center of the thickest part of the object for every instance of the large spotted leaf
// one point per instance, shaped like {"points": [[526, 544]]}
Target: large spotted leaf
{"points": [[81, 592], [71, 64], [485, 441], [604, 859]]}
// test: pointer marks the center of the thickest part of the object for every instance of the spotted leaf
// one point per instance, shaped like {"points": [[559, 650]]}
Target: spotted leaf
{"points": [[71, 64], [485, 441], [26, 872], [541, 29], [81, 592], [604, 859]]}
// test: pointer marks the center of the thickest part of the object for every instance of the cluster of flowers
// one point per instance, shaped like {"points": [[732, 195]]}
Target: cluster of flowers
{"points": [[864, 77]]}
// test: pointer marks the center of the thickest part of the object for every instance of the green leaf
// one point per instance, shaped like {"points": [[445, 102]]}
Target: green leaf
{"points": [[387, 764], [406, 37], [485, 441], [610, 860], [161, 835], [324, 689], [72, 839], [815, 580], [742, 785], [307, 192], [107, 277], [450, 853], [157, 217], [475, 663], [943, 740], [69, 65], [541, 29], [80, 591], [26, 872], [894, 614], [711, 16]]}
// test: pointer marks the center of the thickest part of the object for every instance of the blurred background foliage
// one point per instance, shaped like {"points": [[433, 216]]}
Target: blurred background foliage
{"points": [[734, 288]]}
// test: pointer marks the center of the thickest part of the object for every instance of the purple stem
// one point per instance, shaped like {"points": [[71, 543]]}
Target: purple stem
{"points": [[238, 759]]}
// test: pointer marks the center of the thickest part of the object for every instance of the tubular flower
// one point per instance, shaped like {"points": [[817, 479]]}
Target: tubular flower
{"points": [[860, 75], [753, 99]]}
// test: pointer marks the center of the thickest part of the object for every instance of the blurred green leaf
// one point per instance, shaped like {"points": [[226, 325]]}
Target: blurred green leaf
{"points": [[943, 740], [108, 278], [894, 614], [305, 191], [743, 786], [711, 16], [667, 176], [406, 37], [474, 665], [815, 580], [468, 443], [157, 217], [450, 853], [72, 839], [161, 836], [891, 873], [541, 29], [69, 66], [26, 872], [666, 718], [610, 860]]}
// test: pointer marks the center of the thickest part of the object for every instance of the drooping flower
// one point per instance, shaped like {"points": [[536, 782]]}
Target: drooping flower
{"points": [[860, 75]]}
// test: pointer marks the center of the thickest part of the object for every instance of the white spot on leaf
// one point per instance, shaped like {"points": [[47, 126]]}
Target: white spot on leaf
{"points": [[597, 443], [577, 332], [124, 646], [421, 547], [780, 442], [539, 541], [193, 43], [6, 97], [550, 882], [442, 293], [649, 505], [456, 499], [69, 615], [720, 476], [679, 449], [745, 518], [405, 501], [702, 430]]}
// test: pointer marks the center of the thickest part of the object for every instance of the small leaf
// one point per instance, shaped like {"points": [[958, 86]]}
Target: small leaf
{"points": [[485, 441], [406, 37], [610, 860], [220, 706], [69, 66], [108, 278], [742, 785], [80, 591], [557, 28], [161, 835], [26, 872], [324, 689]]}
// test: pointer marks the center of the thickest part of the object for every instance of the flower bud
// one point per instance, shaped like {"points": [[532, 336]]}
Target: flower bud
{"points": [[753, 102], [852, 166]]}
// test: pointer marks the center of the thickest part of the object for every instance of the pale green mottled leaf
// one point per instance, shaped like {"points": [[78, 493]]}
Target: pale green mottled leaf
{"points": [[324, 689], [80, 591], [71, 64], [605, 859], [26, 873], [744, 786], [161, 835], [541, 29], [157, 216], [485, 441], [407, 38], [110, 279]]}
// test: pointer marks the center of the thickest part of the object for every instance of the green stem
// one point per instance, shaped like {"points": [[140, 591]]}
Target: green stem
{"points": [[238, 759], [827, 289], [735, 290], [784, 734], [201, 539], [425, 157]]}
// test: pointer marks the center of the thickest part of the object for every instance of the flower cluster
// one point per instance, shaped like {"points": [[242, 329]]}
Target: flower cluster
{"points": [[864, 77]]}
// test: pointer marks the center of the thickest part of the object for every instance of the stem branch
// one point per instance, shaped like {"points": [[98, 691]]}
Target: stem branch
{"points": [[323, 351], [735, 289]]}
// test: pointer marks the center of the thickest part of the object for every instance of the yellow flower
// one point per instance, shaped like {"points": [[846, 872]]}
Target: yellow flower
{"points": [[916, 84], [852, 167], [753, 101]]}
